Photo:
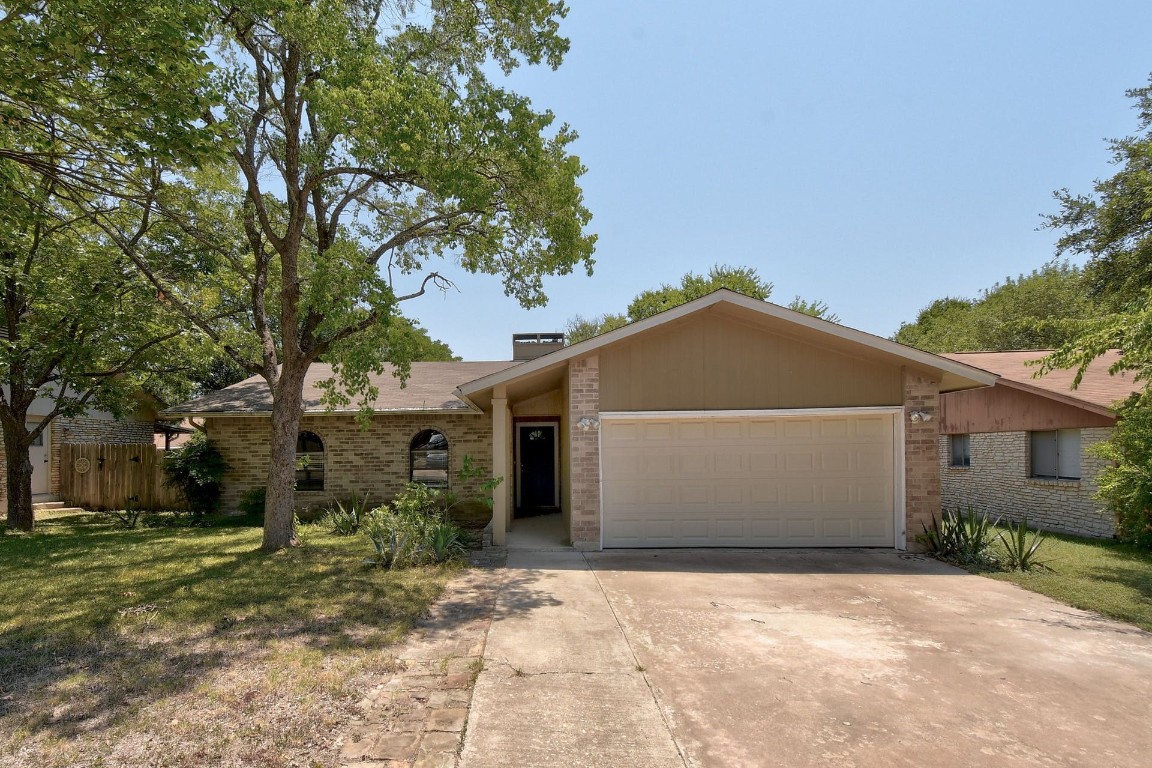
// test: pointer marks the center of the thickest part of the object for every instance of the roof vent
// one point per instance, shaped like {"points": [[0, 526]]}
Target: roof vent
{"points": [[529, 346]]}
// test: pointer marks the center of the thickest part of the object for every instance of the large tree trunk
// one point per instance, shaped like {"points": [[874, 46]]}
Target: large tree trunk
{"points": [[18, 482], [280, 506]]}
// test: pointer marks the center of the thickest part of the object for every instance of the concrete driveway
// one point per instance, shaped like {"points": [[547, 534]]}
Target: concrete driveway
{"points": [[797, 658]]}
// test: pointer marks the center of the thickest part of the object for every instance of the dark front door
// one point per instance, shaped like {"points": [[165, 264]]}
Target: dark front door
{"points": [[537, 444]]}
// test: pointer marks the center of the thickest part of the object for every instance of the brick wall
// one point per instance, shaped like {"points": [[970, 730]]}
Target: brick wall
{"points": [[372, 461], [997, 482], [921, 465], [584, 452]]}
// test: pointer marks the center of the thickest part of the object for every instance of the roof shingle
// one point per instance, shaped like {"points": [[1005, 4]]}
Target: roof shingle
{"points": [[1098, 387], [431, 387]]}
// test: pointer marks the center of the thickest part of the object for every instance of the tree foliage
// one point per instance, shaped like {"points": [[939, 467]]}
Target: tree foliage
{"points": [[1112, 227], [368, 139], [1040, 310], [745, 280], [1125, 482]]}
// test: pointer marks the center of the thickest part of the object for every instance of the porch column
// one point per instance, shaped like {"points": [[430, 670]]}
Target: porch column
{"points": [[500, 467]]}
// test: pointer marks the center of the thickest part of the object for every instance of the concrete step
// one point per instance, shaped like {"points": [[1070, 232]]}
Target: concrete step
{"points": [[45, 505], [61, 510]]}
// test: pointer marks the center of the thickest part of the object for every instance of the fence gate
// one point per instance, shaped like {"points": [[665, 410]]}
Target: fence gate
{"points": [[102, 476]]}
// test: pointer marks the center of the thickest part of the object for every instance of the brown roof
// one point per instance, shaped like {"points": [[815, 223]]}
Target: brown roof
{"points": [[1098, 386], [431, 387]]}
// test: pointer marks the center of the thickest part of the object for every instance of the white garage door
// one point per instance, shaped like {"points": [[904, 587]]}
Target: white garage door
{"points": [[750, 480]]}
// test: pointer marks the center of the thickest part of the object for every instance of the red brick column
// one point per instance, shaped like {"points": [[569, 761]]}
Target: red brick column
{"points": [[584, 451], [921, 453]]}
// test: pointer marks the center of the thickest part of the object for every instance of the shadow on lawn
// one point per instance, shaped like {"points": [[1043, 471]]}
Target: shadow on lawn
{"points": [[100, 621]]}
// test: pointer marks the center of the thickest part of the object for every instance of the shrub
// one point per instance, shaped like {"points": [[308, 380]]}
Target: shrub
{"points": [[960, 537], [412, 530], [1125, 484], [252, 503], [1020, 549], [196, 469]]}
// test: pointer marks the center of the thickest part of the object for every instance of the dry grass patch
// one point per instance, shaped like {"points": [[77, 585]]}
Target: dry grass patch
{"points": [[181, 646]]}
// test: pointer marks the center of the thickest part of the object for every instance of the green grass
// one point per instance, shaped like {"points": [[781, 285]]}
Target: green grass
{"points": [[1107, 577], [179, 635]]}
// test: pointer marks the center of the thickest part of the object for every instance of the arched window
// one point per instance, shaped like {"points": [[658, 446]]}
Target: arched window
{"points": [[428, 459], [309, 462]]}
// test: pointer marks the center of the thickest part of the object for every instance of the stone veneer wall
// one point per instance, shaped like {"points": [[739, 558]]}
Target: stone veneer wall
{"points": [[372, 461], [584, 452], [997, 482], [921, 466]]}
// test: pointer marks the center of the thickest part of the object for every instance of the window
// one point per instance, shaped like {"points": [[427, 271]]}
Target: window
{"points": [[309, 462], [1056, 454], [961, 451], [428, 459]]}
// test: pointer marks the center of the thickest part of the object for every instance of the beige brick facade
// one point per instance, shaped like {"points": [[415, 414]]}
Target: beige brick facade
{"points": [[373, 460], [584, 451], [997, 482], [921, 464]]}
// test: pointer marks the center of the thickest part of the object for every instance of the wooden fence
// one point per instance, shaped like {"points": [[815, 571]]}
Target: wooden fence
{"points": [[101, 476]]}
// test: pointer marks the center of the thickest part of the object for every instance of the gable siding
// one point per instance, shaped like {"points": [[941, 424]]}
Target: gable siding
{"points": [[713, 362], [1003, 409]]}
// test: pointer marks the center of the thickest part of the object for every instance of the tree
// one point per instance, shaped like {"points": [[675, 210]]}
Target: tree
{"points": [[1041, 310], [1113, 228], [361, 150], [88, 83], [91, 90], [80, 326], [745, 280]]}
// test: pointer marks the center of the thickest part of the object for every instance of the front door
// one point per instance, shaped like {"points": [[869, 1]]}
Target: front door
{"points": [[536, 487], [38, 454]]}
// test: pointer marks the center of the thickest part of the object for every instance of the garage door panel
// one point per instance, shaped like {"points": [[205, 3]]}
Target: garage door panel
{"points": [[749, 481]]}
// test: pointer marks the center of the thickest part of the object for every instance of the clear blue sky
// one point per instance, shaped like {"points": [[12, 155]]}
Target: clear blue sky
{"points": [[873, 155]]}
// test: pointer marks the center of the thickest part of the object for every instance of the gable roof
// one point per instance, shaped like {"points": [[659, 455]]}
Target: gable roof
{"points": [[430, 388], [954, 374], [1098, 388]]}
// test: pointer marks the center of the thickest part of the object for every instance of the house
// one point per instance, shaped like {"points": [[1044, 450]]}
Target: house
{"points": [[725, 422], [1023, 446]]}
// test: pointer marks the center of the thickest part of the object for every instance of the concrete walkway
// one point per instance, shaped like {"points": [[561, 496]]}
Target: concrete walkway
{"points": [[561, 685]]}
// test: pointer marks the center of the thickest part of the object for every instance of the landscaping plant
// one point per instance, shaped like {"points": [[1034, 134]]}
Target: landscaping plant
{"points": [[960, 537], [1020, 548], [413, 530], [345, 520], [196, 469]]}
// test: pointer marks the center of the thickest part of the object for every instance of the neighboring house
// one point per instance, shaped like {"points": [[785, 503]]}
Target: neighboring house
{"points": [[726, 421], [1022, 447], [94, 426]]}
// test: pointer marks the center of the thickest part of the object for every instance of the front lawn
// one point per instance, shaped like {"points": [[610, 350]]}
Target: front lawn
{"points": [[178, 646], [1096, 575]]}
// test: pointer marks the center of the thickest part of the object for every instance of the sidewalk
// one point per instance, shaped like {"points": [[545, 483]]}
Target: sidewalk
{"points": [[560, 685]]}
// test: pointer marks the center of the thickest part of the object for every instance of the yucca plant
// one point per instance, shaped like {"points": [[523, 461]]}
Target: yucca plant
{"points": [[962, 537], [345, 520], [1019, 548]]}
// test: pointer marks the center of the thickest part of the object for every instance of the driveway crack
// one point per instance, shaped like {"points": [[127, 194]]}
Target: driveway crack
{"points": [[639, 667]]}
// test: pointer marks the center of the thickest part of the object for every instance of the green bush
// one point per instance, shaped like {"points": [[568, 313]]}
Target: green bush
{"points": [[1125, 484], [412, 530], [960, 537], [196, 469], [252, 503]]}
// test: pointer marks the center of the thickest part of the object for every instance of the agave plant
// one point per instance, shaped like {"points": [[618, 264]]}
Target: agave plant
{"points": [[1019, 548], [346, 520], [962, 537]]}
